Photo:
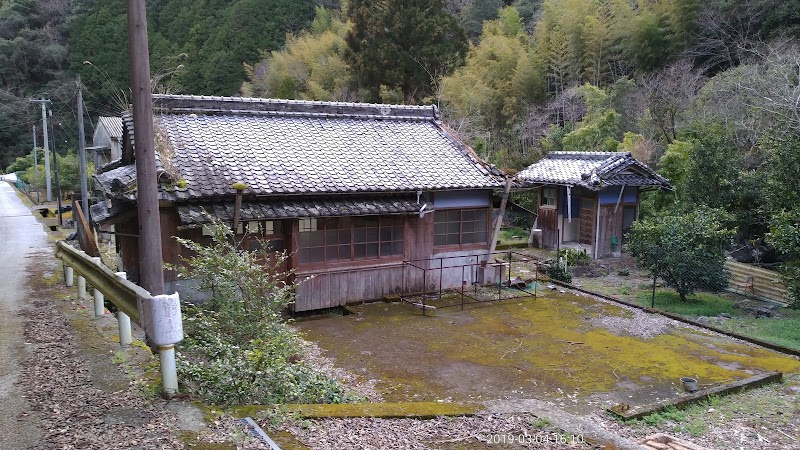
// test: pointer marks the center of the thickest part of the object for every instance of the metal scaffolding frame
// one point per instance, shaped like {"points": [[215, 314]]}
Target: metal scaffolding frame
{"points": [[473, 268]]}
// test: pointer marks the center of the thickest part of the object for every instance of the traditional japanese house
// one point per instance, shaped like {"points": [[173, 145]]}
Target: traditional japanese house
{"points": [[588, 200], [349, 190]]}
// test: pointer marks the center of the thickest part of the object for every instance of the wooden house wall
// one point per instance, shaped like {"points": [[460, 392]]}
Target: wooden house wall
{"points": [[335, 286], [610, 225], [170, 248], [588, 219], [127, 240], [330, 289], [611, 221], [367, 280], [548, 223], [127, 232]]}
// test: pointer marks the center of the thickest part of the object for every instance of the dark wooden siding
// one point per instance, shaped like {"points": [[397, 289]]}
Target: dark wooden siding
{"points": [[170, 248], [128, 247], [610, 225], [326, 290], [548, 223]]}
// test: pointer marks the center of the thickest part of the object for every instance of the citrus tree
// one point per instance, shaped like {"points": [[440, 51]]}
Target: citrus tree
{"points": [[683, 249]]}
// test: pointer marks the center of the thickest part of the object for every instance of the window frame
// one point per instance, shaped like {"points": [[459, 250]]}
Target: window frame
{"points": [[542, 198], [461, 227], [360, 239]]}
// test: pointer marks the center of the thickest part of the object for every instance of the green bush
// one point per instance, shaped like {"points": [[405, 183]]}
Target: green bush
{"points": [[238, 349], [784, 234], [685, 250], [574, 257], [560, 273]]}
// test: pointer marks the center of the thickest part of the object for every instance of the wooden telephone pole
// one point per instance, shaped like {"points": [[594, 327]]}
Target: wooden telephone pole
{"points": [[150, 259], [82, 153]]}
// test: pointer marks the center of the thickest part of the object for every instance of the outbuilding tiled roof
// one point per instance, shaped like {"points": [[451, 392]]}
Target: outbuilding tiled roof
{"points": [[200, 213], [279, 147], [113, 126], [592, 170]]}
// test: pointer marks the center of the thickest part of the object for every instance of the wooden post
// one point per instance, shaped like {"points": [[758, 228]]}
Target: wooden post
{"points": [[150, 257], [499, 223], [82, 151], [237, 208], [35, 165], [55, 175]]}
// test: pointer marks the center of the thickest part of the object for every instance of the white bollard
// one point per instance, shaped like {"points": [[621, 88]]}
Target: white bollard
{"points": [[81, 288], [125, 336], [69, 275], [99, 305], [165, 329], [169, 373]]}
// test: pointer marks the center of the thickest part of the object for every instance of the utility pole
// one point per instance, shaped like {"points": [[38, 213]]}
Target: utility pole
{"points": [[44, 102], [55, 172], [35, 165], [150, 259], [82, 152]]}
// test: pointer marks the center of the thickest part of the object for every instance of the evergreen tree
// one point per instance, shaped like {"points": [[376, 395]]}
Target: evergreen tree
{"points": [[475, 13], [403, 45]]}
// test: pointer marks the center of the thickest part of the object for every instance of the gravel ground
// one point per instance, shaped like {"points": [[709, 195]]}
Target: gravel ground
{"points": [[640, 324], [505, 431], [763, 419]]}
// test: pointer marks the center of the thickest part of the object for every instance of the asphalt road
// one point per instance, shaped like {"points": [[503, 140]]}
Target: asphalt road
{"points": [[21, 236]]}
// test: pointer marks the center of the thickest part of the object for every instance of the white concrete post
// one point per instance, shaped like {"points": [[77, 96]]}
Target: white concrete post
{"points": [[165, 328], [125, 336], [169, 372], [99, 303], [81, 288], [69, 276], [99, 306]]}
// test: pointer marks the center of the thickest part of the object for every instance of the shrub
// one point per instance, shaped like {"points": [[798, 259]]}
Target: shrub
{"points": [[238, 349], [574, 257], [685, 250], [785, 236], [558, 272]]}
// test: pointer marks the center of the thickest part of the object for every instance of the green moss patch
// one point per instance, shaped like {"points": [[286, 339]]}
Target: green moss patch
{"points": [[549, 347]]}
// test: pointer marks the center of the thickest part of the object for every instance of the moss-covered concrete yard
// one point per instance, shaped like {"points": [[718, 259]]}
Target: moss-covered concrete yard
{"points": [[578, 352]]}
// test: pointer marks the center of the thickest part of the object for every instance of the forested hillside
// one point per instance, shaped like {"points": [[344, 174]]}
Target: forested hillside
{"points": [[707, 92], [197, 47]]}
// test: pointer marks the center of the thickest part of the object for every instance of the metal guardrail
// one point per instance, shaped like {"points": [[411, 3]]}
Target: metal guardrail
{"points": [[122, 293], [162, 313]]}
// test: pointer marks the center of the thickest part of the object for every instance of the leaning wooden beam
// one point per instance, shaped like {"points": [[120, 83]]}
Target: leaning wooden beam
{"points": [[499, 223]]}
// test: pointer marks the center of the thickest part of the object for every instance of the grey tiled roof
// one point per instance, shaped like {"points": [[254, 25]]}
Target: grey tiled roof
{"points": [[592, 170], [113, 125], [279, 147], [279, 209]]}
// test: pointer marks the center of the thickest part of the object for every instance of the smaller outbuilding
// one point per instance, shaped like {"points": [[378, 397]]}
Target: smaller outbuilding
{"points": [[589, 200], [107, 141]]}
